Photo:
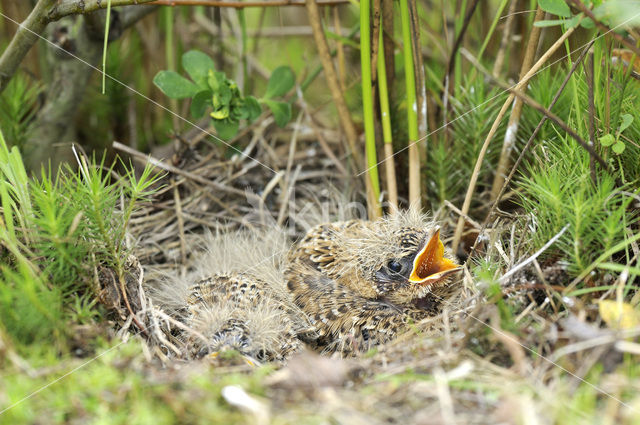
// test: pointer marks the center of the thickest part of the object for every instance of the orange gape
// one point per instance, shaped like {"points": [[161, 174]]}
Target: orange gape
{"points": [[430, 265]]}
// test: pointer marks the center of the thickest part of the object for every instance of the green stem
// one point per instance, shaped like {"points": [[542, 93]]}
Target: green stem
{"points": [[104, 49], [384, 95], [410, 78], [367, 98], [245, 68], [412, 106], [385, 118]]}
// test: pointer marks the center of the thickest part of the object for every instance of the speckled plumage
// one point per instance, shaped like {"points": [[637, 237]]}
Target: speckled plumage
{"points": [[238, 311], [338, 276], [344, 287]]}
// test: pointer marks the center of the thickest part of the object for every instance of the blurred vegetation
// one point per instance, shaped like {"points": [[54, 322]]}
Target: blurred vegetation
{"points": [[59, 227]]}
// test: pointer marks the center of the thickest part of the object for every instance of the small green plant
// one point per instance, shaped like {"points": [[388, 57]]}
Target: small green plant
{"points": [[54, 233], [612, 12], [211, 90], [565, 194], [17, 107], [617, 145]]}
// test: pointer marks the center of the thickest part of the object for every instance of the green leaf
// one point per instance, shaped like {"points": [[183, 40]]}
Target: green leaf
{"points": [[281, 111], [253, 107], [281, 81], [618, 147], [556, 7], [607, 140], [627, 119], [200, 102], [174, 85], [344, 40], [197, 65], [226, 129], [587, 23], [550, 23]]}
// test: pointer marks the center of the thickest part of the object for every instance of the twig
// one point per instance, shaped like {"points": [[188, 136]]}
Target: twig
{"points": [[22, 41], [243, 4], [535, 105], [332, 80], [456, 45], [516, 111], [592, 114], [466, 217], [529, 260], [180, 218], [170, 168], [321, 139], [342, 67], [504, 42], [494, 128], [527, 145]]}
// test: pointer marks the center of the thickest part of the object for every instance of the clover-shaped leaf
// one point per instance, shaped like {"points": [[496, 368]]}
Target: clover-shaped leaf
{"points": [[198, 65], [627, 119], [618, 147], [281, 111], [556, 7], [607, 140], [174, 85], [253, 107]]}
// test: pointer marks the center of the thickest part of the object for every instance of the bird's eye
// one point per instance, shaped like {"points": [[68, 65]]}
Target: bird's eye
{"points": [[394, 266]]}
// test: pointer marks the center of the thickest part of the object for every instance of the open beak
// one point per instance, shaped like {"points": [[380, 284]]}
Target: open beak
{"points": [[430, 265]]}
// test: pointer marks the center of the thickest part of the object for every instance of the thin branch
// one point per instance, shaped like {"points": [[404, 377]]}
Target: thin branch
{"points": [[456, 45], [504, 41], [535, 105], [45, 12], [592, 114], [529, 260], [494, 128], [527, 145], [516, 112], [21, 43], [244, 4], [332, 80]]}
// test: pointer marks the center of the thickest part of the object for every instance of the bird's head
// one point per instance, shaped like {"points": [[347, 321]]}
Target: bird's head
{"points": [[400, 259]]}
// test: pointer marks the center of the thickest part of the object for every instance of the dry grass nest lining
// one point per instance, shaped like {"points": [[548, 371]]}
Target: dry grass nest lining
{"points": [[169, 231]]}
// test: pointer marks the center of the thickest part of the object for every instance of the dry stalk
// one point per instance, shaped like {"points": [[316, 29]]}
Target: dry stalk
{"points": [[516, 112], [332, 80], [243, 4], [342, 67], [527, 145], [535, 105], [476, 171], [504, 41]]}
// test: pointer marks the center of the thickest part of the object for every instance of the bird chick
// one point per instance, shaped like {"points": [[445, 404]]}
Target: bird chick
{"points": [[360, 282], [235, 299]]}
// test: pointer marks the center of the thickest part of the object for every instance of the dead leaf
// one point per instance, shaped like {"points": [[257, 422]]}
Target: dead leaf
{"points": [[619, 315]]}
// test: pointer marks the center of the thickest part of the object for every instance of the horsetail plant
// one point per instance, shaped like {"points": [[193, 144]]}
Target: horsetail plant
{"points": [[412, 106], [385, 118], [367, 105]]}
